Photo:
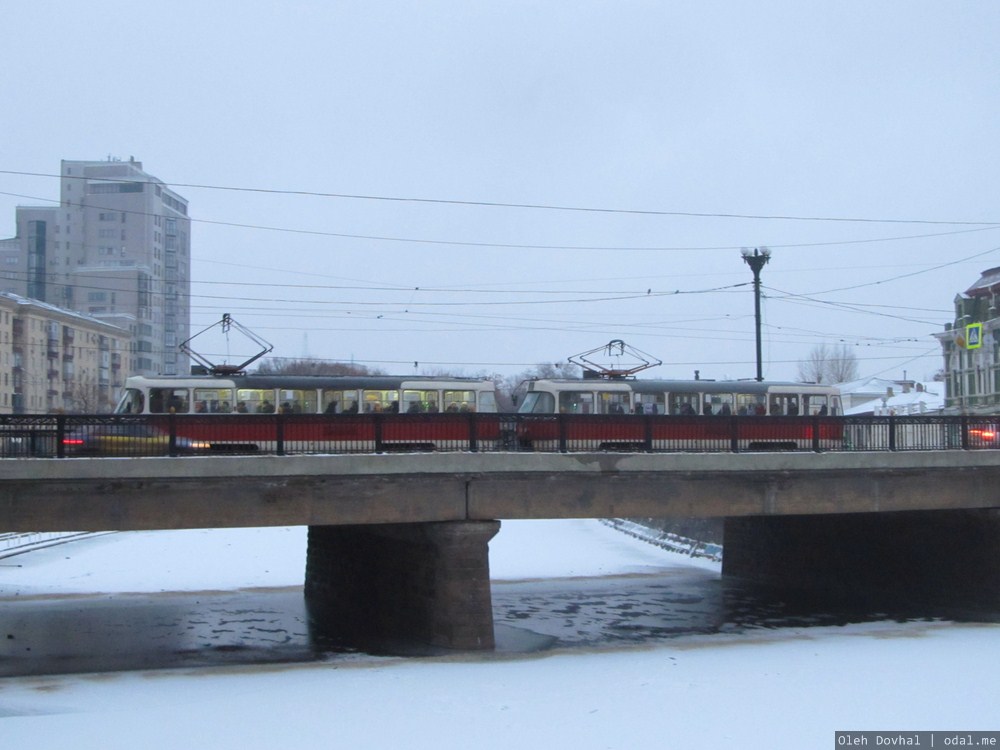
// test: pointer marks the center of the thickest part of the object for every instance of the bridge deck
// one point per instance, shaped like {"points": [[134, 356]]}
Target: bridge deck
{"points": [[228, 491]]}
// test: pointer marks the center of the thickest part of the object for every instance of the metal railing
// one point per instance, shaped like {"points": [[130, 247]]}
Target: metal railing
{"points": [[65, 435]]}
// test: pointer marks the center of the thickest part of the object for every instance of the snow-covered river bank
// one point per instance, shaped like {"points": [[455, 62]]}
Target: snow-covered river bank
{"points": [[747, 687]]}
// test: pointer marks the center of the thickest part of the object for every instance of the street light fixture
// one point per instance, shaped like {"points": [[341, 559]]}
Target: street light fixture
{"points": [[757, 260]]}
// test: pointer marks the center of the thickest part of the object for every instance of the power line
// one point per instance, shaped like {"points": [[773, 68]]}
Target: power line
{"points": [[989, 226], [498, 204]]}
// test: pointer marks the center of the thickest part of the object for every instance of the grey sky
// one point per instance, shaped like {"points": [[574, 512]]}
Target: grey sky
{"points": [[844, 110]]}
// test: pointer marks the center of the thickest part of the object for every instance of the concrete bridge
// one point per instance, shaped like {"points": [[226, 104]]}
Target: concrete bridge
{"points": [[398, 544]]}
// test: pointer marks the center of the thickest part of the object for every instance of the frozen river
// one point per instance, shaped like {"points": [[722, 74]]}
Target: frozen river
{"points": [[81, 607]]}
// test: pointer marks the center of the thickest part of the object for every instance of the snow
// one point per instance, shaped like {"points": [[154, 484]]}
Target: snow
{"points": [[785, 688]]}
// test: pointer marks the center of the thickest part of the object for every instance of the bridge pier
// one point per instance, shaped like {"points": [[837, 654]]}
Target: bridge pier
{"points": [[400, 587], [935, 553]]}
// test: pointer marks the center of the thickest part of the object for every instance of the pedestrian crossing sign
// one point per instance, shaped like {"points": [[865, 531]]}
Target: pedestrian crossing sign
{"points": [[974, 336]]}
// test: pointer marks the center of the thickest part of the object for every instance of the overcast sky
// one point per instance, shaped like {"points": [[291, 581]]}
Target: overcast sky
{"points": [[857, 140]]}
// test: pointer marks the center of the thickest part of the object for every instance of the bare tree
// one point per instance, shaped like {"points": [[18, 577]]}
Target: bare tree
{"points": [[86, 397], [829, 364], [511, 388]]}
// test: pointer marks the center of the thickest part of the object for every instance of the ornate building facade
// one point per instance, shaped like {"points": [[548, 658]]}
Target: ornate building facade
{"points": [[971, 348]]}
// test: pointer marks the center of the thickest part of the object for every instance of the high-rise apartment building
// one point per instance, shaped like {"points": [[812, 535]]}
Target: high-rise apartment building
{"points": [[118, 248]]}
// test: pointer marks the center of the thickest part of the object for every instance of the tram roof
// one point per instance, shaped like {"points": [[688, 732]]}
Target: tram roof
{"points": [[302, 382], [645, 385]]}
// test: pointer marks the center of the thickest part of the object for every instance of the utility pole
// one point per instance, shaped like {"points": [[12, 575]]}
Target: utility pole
{"points": [[757, 260]]}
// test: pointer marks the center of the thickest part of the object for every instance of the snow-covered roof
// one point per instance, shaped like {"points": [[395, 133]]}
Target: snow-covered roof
{"points": [[989, 279], [868, 385], [929, 398]]}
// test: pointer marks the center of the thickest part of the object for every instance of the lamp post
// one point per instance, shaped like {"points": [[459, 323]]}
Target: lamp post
{"points": [[757, 260]]}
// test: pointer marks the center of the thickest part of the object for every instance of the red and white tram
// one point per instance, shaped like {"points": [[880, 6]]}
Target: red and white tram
{"points": [[236, 412], [769, 414]]}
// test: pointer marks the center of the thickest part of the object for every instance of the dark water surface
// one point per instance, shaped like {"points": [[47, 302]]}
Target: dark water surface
{"points": [[116, 632]]}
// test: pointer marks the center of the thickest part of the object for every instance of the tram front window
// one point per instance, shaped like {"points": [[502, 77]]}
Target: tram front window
{"points": [[537, 402], [131, 402]]}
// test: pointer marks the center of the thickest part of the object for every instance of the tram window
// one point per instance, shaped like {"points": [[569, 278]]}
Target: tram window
{"points": [[255, 400], [297, 401], [613, 402], [784, 404], [719, 404], [576, 402], [213, 400], [750, 404], [815, 404], [684, 403], [487, 402], [340, 402], [459, 401], [420, 401], [380, 401], [537, 402], [162, 400], [649, 403], [131, 402]]}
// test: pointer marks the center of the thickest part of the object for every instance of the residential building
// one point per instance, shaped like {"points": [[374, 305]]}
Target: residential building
{"points": [[117, 248], [57, 360], [971, 348]]}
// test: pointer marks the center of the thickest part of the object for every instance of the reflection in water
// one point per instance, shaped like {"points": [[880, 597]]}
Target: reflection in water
{"points": [[46, 635], [118, 632]]}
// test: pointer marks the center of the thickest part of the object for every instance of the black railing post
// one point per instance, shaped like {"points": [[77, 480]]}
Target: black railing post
{"points": [[172, 433], [647, 436], [561, 420], [892, 432], [279, 433], [377, 424], [964, 427], [815, 435], [734, 434], [473, 432], [61, 436]]}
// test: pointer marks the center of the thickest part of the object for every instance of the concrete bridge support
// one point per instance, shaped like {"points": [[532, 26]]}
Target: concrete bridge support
{"points": [[401, 587], [930, 554]]}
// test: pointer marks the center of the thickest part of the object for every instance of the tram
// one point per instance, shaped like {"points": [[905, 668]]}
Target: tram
{"points": [[236, 412], [304, 394], [770, 414]]}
